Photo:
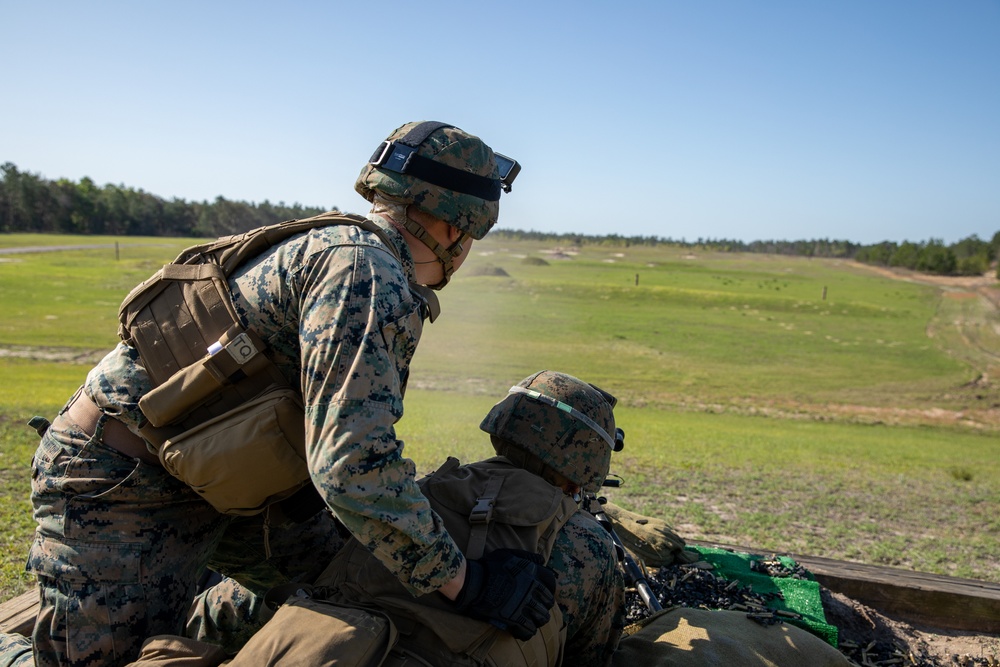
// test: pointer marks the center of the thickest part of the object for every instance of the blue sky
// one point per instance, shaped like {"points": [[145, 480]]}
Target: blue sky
{"points": [[864, 120]]}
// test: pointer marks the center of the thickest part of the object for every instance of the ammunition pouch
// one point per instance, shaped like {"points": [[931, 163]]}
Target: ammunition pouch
{"points": [[306, 631], [221, 415], [246, 458]]}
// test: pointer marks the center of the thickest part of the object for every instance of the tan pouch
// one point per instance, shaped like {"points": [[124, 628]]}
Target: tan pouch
{"points": [[684, 637], [173, 651], [312, 632], [245, 459]]}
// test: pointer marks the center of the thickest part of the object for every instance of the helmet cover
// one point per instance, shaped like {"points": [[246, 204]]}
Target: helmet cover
{"points": [[566, 423], [452, 147]]}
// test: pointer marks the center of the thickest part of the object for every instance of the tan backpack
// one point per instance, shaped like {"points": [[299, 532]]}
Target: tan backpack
{"points": [[221, 416], [485, 506], [358, 614]]}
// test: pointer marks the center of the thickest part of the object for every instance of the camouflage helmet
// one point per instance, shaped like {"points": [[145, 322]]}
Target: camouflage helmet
{"points": [[442, 170], [566, 423]]}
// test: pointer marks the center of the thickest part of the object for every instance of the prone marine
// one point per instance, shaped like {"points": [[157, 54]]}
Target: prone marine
{"points": [[553, 436]]}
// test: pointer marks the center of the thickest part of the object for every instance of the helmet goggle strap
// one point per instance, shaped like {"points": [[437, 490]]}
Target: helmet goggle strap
{"points": [[613, 443], [445, 256], [401, 156]]}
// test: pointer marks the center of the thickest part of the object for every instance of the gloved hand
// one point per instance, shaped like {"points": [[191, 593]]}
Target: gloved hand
{"points": [[511, 589]]}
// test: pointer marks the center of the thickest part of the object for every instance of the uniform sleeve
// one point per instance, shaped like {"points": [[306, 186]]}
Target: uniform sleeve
{"points": [[590, 591], [117, 383], [358, 328]]}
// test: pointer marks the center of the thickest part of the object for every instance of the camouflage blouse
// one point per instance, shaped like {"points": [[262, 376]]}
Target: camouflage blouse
{"points": [[335, 309]]}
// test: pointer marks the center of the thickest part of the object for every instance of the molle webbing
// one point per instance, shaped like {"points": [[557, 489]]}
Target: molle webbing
{"points": [[494, 499], [185, 312]]}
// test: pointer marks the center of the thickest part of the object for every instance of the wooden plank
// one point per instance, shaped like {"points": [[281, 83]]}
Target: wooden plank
{"points": [[917, 598], [18, 614]]}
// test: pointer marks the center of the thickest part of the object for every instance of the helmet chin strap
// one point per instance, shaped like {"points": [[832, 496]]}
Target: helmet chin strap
{"points": [[445, 256]]}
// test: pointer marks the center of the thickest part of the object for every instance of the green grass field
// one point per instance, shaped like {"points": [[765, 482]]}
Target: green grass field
{"points": [[790, 404]]}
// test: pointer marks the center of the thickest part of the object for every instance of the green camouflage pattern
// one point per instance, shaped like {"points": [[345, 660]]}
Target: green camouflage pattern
{"points": [[125, 538], [336, 311], [121, 544], [558, 439], [455, 148], [590, 586], [344, 308], [15, 650], [227, 615], [590, 591]]}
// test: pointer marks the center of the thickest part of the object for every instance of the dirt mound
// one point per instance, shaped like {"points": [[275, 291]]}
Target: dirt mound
{"points": [[489, 270]]}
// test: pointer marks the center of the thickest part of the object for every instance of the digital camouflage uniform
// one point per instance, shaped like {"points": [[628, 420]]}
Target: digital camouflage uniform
{"points": [[590, 591], [590, 586], [121, 544], [552, 421], [589, 583], [553, 434]]}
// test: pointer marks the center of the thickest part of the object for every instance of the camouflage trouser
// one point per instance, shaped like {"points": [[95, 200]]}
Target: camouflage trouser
{"points": [[121, 544], [14, 650]]}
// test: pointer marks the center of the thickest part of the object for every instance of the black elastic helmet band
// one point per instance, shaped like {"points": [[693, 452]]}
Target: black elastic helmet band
{"points": [[419, 133], [401, 156]]}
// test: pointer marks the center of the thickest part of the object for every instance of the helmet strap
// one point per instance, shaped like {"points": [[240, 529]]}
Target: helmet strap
{"points": [[445, 256]]}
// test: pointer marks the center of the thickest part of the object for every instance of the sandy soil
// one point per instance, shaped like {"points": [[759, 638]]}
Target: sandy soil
{"points": [[60, 354], [862, 626]]}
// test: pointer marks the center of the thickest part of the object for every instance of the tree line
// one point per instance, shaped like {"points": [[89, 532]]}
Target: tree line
{"points": [[971, 256], [30, 203]]}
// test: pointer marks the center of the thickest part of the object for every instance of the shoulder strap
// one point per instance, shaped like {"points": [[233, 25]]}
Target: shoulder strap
{"points": [[229, 252], [491, 504], [218, 259], [480, 517], [256, 241]]}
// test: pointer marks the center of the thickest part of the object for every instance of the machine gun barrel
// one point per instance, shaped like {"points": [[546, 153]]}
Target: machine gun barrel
{"points": [[634, 574]]}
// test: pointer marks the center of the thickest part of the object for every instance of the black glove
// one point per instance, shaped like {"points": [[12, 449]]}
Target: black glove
{"points": [[511, 589]]}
